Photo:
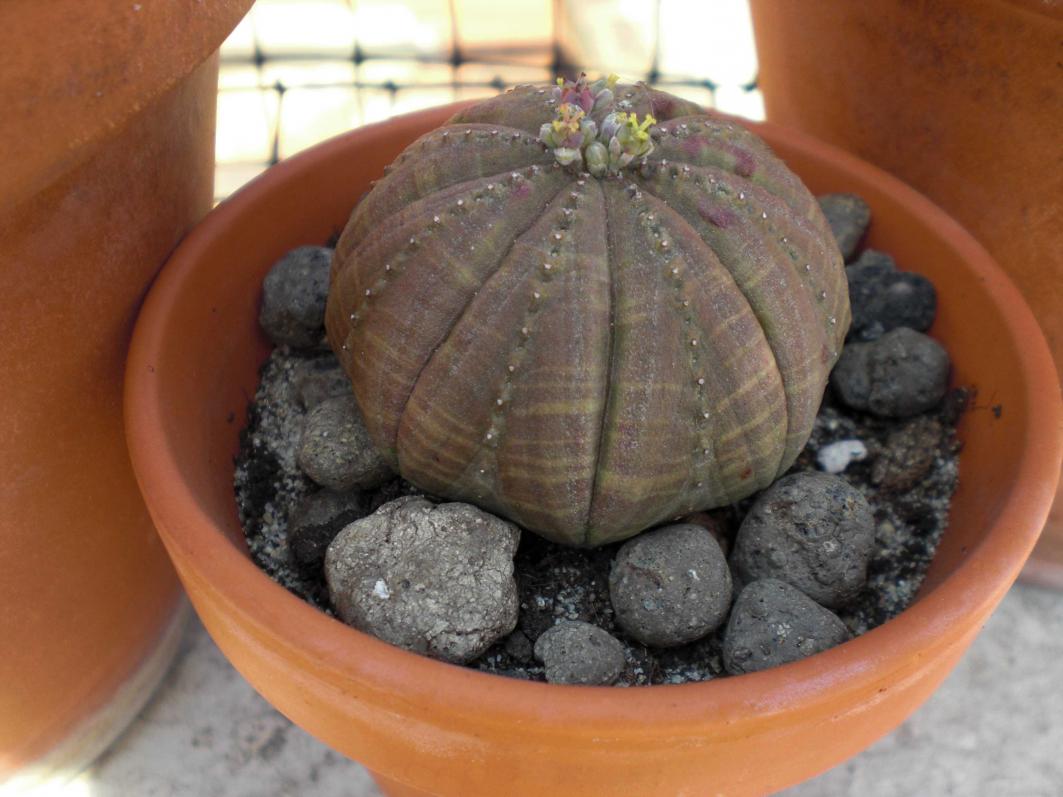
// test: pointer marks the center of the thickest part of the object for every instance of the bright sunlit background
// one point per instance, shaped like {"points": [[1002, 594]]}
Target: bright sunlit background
{"points": [[298, 71]]}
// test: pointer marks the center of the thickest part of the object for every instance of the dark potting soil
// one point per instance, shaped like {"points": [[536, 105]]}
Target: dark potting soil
{"points": [[908, 472]]}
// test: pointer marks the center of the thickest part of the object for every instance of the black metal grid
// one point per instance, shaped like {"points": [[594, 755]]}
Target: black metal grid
{"points": [[556, 57]]}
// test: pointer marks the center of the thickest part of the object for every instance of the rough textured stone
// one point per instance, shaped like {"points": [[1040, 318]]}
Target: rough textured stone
{"points": [[670, 586], [575, 652], [883, 299], [901, 374], [848, 216], [773, 623], [519, 646], [316, 521], [335, 450], [319, 379], [908, 454], [294, 294], [434, 579], [717, 525], [873, 262], [812, 530]]}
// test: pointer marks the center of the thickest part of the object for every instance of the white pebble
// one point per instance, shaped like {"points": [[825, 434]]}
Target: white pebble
{"points": [[380, 589], [835, 457]]}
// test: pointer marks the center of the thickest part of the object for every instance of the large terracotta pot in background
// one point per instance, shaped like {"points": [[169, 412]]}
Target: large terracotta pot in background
{"points": [[107, 159], [429, 728], [961, 98]]}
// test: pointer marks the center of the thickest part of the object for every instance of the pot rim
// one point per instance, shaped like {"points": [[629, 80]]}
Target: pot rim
{"points": [[324, 644]]}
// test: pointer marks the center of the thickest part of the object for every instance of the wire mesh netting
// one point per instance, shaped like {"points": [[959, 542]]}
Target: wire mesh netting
{"points": [[298, 71]]}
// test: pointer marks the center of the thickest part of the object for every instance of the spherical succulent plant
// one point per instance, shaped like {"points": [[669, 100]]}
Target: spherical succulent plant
{"points": [[588, 308]]}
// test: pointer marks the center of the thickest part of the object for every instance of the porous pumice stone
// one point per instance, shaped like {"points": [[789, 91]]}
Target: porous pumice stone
{"points": [[434, 579], [811, 530], [670, 586], [774, 623], [319, 379], [574, 652], [908, 455], [335, 450], [316, 521], [901, 374], [849, 217], [294, 294], [715, 523], [519, 646], [588, 308], [883, 298]]}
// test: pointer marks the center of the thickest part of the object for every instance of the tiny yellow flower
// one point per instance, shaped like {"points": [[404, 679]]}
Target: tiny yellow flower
{"points": [[568, 118]]}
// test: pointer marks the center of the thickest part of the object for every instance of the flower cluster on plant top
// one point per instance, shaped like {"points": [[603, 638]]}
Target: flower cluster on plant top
{"points": [[576, 139]]}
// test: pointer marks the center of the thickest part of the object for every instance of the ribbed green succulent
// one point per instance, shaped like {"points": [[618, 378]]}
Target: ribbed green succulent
{"points": [[588, 308]]}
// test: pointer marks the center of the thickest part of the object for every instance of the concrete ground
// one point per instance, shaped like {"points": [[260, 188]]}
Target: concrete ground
{"points": [[995, 729]]}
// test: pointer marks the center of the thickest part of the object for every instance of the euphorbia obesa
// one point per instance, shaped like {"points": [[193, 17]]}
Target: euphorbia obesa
{"points": [[589, 308]]}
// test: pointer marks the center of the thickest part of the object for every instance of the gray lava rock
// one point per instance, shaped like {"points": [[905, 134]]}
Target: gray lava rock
{"points": [[519, 646], [319, 379], [874, 263], [811, 530], [294, 293], [434, 579], [715, 522], [575, 652], [773, 623], [908, 455], [335, 450], [848, 216], [670, 586], [883, 299], [316, 521], [899, 375]]}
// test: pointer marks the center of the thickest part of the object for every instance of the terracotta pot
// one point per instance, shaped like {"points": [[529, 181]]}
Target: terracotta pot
{"points": [[429, 728], [963, 99], [109, 133]]}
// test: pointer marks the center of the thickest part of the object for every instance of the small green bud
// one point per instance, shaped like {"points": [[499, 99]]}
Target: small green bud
{"points": [[597, 158], [567, 155]]}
